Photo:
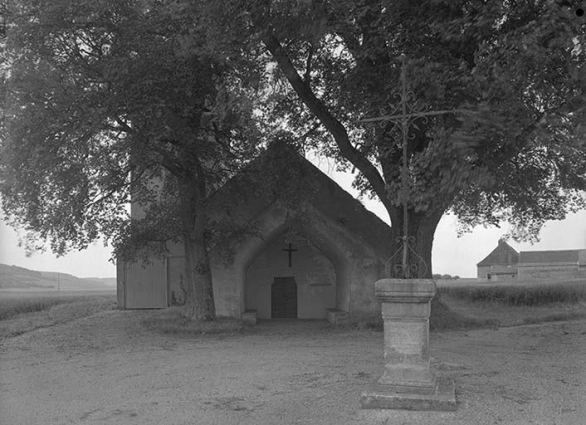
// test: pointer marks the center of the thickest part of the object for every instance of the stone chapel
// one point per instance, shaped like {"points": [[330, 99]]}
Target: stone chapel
{"points": [[297, 246]]}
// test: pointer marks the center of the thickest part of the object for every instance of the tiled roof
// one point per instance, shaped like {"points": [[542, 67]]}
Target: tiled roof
{"points": [[503, 254], [565, 256]]}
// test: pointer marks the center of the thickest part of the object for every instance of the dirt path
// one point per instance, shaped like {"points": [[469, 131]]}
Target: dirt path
{"points": [[106, 369]]}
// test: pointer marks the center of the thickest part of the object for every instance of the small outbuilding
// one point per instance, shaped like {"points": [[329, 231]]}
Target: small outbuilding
{"points": [[505, 264], [500, 264], [301, 247]]}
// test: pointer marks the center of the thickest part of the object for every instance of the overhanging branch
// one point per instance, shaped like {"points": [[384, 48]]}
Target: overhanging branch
{"points": [[321, 111]]}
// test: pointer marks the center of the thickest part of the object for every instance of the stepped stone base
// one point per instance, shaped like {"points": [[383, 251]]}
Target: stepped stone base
{"points": [[336, 316], [249, 317], [379, 396]]}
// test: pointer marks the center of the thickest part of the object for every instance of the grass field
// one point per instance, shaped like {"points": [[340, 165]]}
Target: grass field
{"points": [[22, 312], [461, 307], [517, 304], [519, 294]]}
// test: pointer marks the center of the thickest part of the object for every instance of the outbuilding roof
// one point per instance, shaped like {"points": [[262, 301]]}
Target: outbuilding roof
{"points": [[545, 257], [503, 254]]}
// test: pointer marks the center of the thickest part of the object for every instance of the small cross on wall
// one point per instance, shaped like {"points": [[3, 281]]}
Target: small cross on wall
{"points": [[290, 251]]}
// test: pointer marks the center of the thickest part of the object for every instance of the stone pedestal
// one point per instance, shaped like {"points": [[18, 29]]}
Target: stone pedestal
{"points": [[407, 382], [336, 316], [249, 317]]}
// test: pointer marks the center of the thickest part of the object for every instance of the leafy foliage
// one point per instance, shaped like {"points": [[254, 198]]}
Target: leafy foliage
{"points": [[514, 71], [102, 98], [113, 101]]}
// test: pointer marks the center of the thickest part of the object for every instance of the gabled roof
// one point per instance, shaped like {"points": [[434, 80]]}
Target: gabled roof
{"points": [[262, 183], [503, 254], [545, 257]]}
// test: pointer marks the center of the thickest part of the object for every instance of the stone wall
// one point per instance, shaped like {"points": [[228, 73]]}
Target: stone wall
{"points": [[497, 273], [547, 271], [482, 272]]}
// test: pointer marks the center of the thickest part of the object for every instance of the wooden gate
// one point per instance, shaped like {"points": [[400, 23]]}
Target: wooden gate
{"points": [[284, 298]]}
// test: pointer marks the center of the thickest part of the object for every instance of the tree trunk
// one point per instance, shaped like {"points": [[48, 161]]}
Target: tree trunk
{"points": [[200, 294], [421, 226], [421, 229]]}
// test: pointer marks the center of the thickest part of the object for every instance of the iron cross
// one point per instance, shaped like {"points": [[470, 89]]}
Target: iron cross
{"points": [[290, 251], [403, 116]]}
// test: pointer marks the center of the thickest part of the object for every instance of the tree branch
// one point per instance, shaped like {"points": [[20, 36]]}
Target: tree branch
{"points": [[320, 110], [216, 132], [307, 76], [308, 132], [168, 161], [123, 125]]}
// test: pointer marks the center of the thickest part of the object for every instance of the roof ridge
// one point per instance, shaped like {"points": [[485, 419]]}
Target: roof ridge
{"points": [[329, 197]]}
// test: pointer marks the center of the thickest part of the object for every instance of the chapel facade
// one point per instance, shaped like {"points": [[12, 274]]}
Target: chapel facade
{"points": [[500, 265], [302, 248]]}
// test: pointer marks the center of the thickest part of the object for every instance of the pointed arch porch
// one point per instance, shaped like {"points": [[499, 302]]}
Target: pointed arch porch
{"points": [[355, 265]]}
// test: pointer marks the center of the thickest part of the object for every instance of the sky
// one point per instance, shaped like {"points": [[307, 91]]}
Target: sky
{"points": [[92, 262], [451, 255]]}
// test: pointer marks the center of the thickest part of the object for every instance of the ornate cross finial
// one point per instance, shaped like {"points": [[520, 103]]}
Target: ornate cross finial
{"points": [[403, 115]]}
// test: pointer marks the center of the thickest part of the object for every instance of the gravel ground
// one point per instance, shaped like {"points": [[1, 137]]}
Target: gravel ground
{"points": [[107, 369]]}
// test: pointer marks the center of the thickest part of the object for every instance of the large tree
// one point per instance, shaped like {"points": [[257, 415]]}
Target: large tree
{"points": [[515, 71], [117, 100]]}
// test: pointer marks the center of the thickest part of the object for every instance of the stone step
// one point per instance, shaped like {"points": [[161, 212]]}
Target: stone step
{"points": [[336, 316], [249, 317]]}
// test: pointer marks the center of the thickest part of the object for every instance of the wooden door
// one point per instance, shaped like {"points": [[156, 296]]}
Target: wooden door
{"points": [[284, 298], [146, 285]]}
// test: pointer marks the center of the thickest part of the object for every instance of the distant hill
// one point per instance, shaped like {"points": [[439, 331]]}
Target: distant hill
{"points": [[108, 281], [19, 277]]}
